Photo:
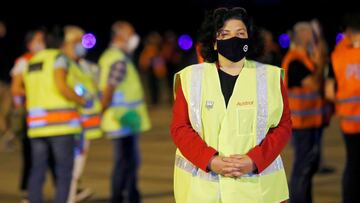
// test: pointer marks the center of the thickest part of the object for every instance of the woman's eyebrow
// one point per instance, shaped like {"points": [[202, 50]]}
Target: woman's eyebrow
{"points": [[241, 29], [224, 30]]}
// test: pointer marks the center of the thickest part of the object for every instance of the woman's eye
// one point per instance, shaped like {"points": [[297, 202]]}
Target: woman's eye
{"points": [[241, 34]]}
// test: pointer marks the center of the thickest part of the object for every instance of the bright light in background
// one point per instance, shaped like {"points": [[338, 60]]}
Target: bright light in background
{"points": [[89, 40], [339, 37], [185, 42], [284, 41]]}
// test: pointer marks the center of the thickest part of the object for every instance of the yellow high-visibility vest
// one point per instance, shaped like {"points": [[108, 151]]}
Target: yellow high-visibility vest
{"points": [[255, 106], [90, 117], [49, 113], [127, 113]]}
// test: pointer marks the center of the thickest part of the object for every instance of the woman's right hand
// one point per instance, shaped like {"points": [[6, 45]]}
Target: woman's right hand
{"points": [[219, 166]]}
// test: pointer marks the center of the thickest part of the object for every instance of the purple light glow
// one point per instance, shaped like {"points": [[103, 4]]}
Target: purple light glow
{"points": [[284, 41], [339, 37], [185, 42], [89, 41]]}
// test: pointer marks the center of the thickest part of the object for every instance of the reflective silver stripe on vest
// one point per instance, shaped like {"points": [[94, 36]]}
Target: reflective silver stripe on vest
{"points": [[195, 118], [262, 114], [195, 97], [262, 100], [195, 171]]}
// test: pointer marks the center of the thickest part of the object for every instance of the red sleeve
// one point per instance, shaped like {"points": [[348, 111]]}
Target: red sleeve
{"points": [[276, 139], [186, 138]]}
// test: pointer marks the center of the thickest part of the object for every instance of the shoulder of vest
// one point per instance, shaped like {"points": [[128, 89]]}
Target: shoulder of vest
{"points": [[187, 69], [45, 54], [116, 52], [270, 69], [25, 56], [51, 51], [112, 55], [256, 64]]}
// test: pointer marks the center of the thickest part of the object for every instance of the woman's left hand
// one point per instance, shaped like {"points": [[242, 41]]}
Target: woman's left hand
{"points": [[243, 162]]}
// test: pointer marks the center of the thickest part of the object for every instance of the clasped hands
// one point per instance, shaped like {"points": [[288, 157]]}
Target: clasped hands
{"points": [[233, 166]]}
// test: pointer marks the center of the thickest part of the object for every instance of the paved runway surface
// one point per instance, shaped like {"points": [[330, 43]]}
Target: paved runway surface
{"points": [[157, 151]]}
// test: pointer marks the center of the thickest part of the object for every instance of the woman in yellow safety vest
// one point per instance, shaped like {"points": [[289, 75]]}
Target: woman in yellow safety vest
{"points": [[230, 121]]}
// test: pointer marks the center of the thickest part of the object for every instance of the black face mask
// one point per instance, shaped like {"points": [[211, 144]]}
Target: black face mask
{"points": [[234, 48]]}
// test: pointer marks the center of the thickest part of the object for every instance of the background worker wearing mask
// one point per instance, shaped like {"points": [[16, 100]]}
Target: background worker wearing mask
{"points": [[230, 119], [35, 42], [304, 77], [53, 119], [125, 114], [82, 81], [343, 87]]}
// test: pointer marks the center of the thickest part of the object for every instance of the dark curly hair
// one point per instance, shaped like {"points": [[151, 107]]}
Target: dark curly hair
{"points": [[213, 22]]}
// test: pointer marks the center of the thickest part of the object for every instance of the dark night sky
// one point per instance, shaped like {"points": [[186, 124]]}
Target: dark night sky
{"points": [[183, 16]]}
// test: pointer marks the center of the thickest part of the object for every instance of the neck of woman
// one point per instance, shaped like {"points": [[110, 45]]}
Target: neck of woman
{"points": [[229, 67]]}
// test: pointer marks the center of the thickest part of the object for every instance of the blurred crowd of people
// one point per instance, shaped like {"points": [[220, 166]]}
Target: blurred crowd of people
{"points": [[321, 85], [58, 101]]}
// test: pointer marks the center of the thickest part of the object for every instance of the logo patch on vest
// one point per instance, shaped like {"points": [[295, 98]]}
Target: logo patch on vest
{"points": [[353, 70], [244, 103], [209, 104], [35, 67]]}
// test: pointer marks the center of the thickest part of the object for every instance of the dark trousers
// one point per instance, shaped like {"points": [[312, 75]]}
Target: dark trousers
{"points": [[126, 164], [154, 87], [26, 162], [307, 144], [62, 150], [351, 176]]}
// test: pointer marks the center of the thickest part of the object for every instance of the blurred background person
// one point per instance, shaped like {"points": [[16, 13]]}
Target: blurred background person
{"points": [[6, 136], [343, 87], [328, 110], [82, 80], [152, 63], [270, 53], [90, 117], [53, 119], [35, 42], [172, 56], [125, 114], [304, 77]]}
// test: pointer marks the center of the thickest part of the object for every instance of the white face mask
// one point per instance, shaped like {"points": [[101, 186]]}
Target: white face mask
{"points": [[80, 51], [133, 43]]}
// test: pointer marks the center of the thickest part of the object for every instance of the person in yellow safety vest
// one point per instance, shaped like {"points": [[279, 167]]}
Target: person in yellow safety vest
{"points": [[35, 42], [84, 85], [53, 119], [231, 120], [124, 110]]}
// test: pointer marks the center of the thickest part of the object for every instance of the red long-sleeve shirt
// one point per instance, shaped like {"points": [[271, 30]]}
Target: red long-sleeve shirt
{"points": [[199, 153]]}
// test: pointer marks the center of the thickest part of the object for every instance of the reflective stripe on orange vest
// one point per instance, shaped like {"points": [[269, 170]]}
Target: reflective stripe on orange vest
{"points": [[307, 106], [346, 64], [41, 117], [90, 121]]}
